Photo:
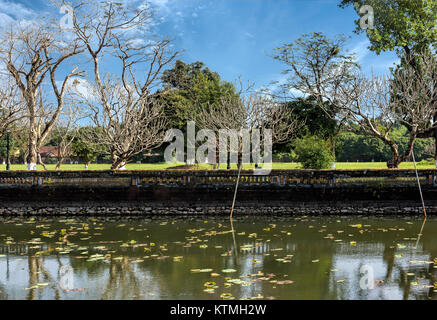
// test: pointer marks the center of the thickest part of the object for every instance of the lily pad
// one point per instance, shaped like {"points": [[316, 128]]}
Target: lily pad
{"points": [[229, 270]]}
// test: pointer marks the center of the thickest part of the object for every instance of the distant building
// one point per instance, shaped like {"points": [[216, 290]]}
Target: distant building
{"points": [[48, 152]]}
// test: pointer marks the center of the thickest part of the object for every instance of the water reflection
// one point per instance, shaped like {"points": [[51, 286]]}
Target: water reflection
{"points": [[211, 258]]}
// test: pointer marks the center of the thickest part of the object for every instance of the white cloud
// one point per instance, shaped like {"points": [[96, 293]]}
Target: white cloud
{"points": [[384, 65], [361, 50], [16, 10], [370, 61], [277, 88], [158, 3], [5, 19], [79, 86], [11, 13], [136, 42], [249, 35]]}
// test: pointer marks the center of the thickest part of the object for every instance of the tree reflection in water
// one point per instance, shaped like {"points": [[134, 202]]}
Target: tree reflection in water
{"points": [[247, 257]]}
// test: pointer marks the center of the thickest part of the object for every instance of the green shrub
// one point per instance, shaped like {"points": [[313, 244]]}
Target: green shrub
{"points": [[426, 163], [313, 153]]}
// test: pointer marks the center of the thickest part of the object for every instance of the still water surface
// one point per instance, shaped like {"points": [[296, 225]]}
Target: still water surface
{"points": [[202, 258]]}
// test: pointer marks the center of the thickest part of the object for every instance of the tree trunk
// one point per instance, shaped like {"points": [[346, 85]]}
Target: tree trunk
{"points": [[41, 162], [32, 156], [433, 134], [119, 164], [394, 162], [398, 159], [217, 157], [435, 152], [58, 165]]}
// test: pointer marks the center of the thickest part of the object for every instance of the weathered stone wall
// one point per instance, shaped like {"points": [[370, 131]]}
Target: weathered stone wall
{"points": [[134, 209], [215, 200]]}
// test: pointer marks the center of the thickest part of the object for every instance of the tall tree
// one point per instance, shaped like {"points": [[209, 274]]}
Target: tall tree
{"points": [[191, 88], [402, 25], [410, 29], [247, 114], [32, 53], [318, 67], [123, 104], [66, 130]]}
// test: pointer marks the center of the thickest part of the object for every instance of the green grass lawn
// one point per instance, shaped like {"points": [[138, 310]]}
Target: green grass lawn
{"points": [[280, 166]]}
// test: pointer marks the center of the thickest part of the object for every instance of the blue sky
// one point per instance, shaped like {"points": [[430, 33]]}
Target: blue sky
{"points": [[236, 37]]}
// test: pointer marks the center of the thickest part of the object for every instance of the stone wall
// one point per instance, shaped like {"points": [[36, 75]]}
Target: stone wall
{"points": [[214, 200], [135, 209]]}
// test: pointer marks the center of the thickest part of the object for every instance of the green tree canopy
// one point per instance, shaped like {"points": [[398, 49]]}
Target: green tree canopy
{"points": [[313, 153], [317, 121], [409, 25], [3, 146], [358, 147], [83, 149], [190, 87], [409, 28]]}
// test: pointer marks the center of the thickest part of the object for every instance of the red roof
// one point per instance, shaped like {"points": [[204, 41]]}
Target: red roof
{"points": [[48, 151]]}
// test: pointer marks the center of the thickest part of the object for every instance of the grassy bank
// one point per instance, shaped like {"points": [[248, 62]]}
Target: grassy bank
{"points": [[283, 166]]}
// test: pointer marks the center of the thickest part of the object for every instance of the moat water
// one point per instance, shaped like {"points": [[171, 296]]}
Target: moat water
{"points": [[212, 258]]}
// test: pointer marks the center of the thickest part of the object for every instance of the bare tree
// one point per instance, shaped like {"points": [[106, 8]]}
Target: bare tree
{"points": [[377, 104], [372, 106], [32, 53], [126, 110], [126, 127], [414, 96], [317, 66], [252, 112], [367, 104], [246, 114], [11, 107], [66, 130]]}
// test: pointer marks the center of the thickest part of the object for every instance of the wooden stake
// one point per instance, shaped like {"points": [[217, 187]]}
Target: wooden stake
{"points": [[420, 233], [233, 238], [236, 189], [418, 183]]}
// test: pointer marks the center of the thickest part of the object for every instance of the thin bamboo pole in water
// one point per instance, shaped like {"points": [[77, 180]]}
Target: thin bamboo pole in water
{"points": [[420, 234], [233, 238], [418, 183], [236, 189]]}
